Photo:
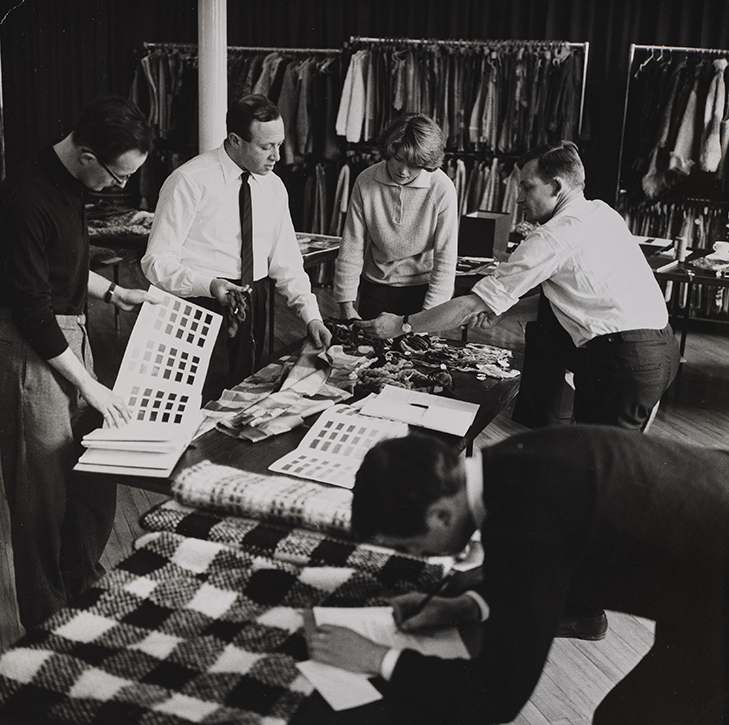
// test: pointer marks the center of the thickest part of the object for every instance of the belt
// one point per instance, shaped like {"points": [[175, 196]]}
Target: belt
{"points": [[65, 322], [618, 338]]}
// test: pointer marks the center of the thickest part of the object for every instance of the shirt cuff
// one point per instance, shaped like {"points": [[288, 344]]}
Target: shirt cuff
{"points": [[387, 667], [309, 313], [201, 286], [481, 602]]}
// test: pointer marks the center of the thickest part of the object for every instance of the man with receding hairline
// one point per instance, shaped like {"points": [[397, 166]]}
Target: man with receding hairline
{"points": [[196, 246]]}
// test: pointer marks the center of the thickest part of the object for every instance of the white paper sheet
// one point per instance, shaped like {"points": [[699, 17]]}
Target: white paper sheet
{"points": [[377, 624], [341, 689], [422, 409]]}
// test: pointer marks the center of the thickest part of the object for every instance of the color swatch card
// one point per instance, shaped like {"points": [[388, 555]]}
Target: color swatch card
{"points": [[334, 447], [166, 360], [160, 379]]}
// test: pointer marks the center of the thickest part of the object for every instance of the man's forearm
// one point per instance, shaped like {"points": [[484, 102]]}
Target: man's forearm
{"points": [[446, 316], [97, 285]]}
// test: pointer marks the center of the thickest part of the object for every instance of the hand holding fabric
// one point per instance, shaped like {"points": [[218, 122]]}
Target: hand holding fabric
{"points": [[319, 335], [383, 327]]}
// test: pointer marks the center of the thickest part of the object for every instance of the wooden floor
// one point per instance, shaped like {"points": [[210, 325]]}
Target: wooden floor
{"points": [[578, 674]]}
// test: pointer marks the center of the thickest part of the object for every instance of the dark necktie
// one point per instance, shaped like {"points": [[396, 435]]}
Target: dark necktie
{"points": [[246, 229]]}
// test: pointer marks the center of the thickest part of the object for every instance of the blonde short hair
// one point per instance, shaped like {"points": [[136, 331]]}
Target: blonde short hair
{"points": [[415, 139]]}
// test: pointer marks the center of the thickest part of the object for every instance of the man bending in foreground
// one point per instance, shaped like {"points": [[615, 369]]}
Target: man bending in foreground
{"points": [[586, 515]]}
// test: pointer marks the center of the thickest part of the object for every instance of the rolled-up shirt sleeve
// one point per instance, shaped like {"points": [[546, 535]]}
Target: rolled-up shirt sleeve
{"points": [[532, 262], [174, 216]]}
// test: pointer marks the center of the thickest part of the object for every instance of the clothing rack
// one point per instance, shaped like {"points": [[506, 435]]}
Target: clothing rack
{"points": [[190, 47], [695, 207], [634, 47], [485, 43], [354, 39]]}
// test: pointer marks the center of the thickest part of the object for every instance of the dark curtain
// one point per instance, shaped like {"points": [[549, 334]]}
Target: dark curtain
{"points": [[59, 54]]}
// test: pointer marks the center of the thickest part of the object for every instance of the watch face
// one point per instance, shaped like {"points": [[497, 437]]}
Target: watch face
{"points": [[407, 328]]}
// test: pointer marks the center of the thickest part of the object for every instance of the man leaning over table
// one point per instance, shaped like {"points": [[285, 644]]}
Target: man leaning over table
{"points": [[604, 316], [47, 384], [196, 247], [592, 515]]}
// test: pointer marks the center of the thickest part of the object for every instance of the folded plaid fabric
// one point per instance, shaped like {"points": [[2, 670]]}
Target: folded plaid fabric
{"points": [[269, 498], [183, 630], [396, 571]]}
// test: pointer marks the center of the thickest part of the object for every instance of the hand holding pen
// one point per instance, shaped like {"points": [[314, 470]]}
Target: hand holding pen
{"points": [[415, 612]]}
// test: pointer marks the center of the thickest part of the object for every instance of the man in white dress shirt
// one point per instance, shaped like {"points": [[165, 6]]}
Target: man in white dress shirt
{"points": [[194, 249], [604, 316]]}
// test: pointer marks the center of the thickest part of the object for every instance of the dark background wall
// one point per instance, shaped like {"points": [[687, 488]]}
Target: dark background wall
{"points": [[59, 54]]}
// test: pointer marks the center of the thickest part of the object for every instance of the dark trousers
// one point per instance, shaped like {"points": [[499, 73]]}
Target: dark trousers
{"points": [[376, 298], [682, 680], [618, 378], [244, 350], [60, 523]]}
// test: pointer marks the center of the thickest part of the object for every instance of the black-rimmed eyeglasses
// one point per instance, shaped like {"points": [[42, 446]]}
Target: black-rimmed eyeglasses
{"points": [[119, 180]]}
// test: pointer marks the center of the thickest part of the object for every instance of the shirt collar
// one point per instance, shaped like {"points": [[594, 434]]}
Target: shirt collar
{"points": [[474, 487], [574, 197], [422, 181], [231, 170]]}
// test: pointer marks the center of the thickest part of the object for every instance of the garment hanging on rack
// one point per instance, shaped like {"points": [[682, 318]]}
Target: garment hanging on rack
{"points": [[677, 151], [305, 83], [482, 94]]}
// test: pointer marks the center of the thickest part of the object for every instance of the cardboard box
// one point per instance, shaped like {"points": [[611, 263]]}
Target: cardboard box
{"points": [[484, 234]]}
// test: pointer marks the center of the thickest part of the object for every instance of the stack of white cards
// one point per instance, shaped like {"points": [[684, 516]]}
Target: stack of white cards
{"points": [[160, 379]]}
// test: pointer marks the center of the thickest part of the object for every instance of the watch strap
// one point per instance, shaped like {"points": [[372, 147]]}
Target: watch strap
{"points": [[110, 292]]}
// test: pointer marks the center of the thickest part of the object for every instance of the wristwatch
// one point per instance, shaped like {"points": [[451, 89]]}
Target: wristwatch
{"points": [[109, 293], [407, 328]]}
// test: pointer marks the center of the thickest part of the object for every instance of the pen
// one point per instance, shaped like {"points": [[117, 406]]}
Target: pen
{"points": [[433, 593]]}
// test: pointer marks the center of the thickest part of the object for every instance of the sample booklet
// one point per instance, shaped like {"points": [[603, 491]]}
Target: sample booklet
{"points": [[334, 447], [160, 379]]}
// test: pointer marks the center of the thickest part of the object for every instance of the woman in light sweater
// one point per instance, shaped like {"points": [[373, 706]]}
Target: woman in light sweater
{"points": [[400, 238]]}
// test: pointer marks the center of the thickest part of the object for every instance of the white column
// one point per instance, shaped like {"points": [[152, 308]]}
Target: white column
{"points": [[212, 32]]}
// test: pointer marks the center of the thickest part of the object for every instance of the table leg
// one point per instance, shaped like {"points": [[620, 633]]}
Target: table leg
{"points": [[271, 306], [686, 310]]}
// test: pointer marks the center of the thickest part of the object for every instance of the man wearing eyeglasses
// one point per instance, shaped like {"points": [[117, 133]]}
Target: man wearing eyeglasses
{"points": [[47, 383]]}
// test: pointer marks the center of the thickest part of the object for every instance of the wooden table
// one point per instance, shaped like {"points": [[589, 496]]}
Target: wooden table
{"points": [[684, 273], [491, 395]]}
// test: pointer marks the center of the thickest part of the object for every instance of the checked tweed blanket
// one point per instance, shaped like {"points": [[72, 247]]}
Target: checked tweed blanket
{"points": [[183, 630], [396, 572]]}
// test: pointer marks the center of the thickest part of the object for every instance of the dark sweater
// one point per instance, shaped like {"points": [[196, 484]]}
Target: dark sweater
{"points": [[44, 250]]}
